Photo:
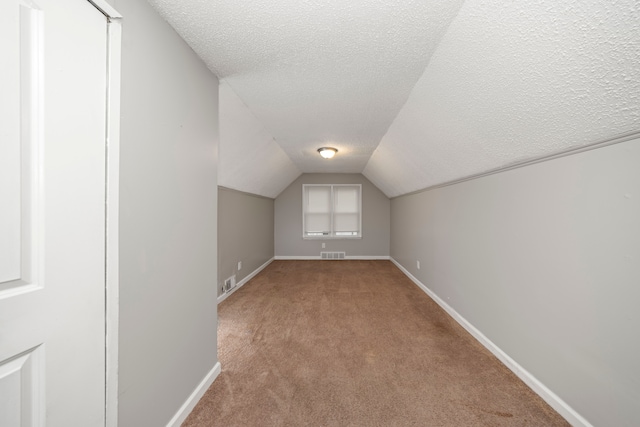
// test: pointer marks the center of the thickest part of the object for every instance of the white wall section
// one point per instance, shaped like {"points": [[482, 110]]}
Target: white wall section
{"points": [[168, 216], [544, 261], [250, 159]]}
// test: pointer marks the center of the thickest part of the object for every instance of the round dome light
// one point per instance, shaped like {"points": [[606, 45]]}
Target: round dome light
{"points": [[327, 152]]}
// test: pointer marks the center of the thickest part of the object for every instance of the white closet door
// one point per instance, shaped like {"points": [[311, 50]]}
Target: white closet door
{"points": [[52, 220]]}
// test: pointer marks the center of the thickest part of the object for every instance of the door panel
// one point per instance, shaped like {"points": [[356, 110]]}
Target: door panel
{"points": [[21, 385], [21, 147], [10, 152], [52, 221]]}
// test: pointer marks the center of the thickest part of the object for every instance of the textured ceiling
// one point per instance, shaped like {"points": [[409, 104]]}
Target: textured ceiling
{"points": [[446, 89], [316, 72], [512, 81]]}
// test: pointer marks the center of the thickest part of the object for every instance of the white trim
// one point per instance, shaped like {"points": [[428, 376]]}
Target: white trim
{"points": [[246, 193], [367, 257], [106, 9], [573, 417], [331, 237], [195, 397], [346, 258], [628, 136], [243, 281], [112, 298]]}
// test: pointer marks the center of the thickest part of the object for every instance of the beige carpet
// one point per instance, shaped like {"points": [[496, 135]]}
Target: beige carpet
{"points": [[354, 343]]}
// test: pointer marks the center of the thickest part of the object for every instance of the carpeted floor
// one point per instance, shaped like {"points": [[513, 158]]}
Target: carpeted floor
{"points": [[354, 343]]}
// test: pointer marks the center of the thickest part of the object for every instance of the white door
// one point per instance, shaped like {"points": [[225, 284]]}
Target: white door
{"points": [[52, 220]]}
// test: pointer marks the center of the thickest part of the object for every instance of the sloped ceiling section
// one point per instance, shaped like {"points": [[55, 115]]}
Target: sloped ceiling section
{"points": [[512, 81], [441, 90], [316, 72], [253, 161]]}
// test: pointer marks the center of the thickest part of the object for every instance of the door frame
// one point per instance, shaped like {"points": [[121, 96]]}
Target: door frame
{"points": [[112, 198]]}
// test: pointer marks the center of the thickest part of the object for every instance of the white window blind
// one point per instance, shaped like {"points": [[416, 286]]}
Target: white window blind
{"points": [[318, 211], [346, 210], [331, 210]]}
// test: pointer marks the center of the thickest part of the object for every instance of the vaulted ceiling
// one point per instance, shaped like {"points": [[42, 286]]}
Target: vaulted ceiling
{"points": [[412, 93]]}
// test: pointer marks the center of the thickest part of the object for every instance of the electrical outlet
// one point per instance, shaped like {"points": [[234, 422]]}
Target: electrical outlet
{"points": [[418, 264], [239, 265], [324, 245]]}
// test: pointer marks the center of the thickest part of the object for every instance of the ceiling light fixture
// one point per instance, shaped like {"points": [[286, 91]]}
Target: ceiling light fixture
{"points": [[327, 152]]}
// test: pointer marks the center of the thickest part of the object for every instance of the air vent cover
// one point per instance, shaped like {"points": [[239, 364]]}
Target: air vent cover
{"points": [[332, 255], [229, 283]]}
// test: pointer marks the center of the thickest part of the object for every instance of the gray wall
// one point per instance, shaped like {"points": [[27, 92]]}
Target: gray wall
{"points": [[168, 188], [375, 220], [245, 233], [545, 261]]}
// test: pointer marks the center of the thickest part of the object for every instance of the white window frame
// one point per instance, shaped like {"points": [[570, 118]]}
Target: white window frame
{"points": [[331, 235]]}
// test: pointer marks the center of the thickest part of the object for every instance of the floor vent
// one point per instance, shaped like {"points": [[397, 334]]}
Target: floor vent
{"points": [[332, 255], [229, 284]]}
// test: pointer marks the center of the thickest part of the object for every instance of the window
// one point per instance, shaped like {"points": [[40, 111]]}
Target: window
{"points": [[331, 211]]}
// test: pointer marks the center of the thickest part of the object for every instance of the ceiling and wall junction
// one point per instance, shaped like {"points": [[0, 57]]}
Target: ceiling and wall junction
{"points": [[413, 94]]}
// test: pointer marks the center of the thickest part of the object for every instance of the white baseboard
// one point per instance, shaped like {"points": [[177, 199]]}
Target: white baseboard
{"points": [[195, 397], [243, 281], [566, 411], [369, 258], [296, 257], [317, 257]]}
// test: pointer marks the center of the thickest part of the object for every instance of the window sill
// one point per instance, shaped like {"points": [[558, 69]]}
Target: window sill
{"points": [[331, 237]]}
